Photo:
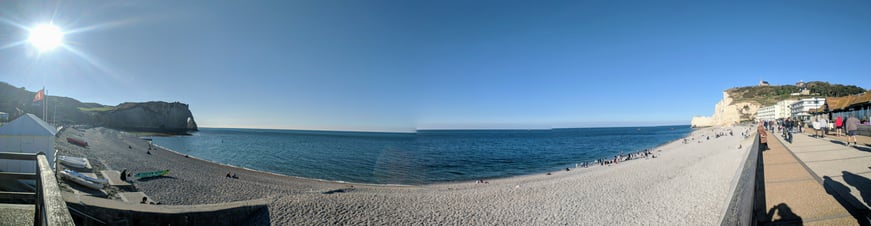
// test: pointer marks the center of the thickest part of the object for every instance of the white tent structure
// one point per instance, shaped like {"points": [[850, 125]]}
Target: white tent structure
{"points": [[26, 134]]}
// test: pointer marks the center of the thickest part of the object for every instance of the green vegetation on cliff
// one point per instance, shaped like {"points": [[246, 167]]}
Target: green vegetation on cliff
{"points": [[769, 95], [106, 108]]}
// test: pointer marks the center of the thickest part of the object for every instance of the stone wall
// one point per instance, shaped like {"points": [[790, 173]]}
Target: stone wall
{"points": [[98, 211]]}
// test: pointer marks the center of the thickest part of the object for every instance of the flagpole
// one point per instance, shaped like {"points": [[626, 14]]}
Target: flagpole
{"points": [[44, 104]]}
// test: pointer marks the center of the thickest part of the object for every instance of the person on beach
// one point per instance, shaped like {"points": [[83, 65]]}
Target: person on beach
{"points": [[852, 124], [124, 175], [228, 175]]}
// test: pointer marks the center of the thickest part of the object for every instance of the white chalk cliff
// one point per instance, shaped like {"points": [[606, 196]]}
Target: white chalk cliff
{"points": [[727, 113]]}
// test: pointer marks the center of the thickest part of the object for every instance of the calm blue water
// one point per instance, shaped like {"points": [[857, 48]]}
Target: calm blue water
{"points": [[416, 158]]}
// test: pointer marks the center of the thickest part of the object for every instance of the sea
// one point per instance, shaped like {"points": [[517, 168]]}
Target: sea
{"points": [[422, 157]]}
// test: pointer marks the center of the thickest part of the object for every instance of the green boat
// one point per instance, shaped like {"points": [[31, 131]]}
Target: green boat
{"points": [[151, 174]]}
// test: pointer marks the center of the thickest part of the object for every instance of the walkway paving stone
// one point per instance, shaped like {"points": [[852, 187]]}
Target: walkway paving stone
{"points": [[793, 195], [821, 180]]}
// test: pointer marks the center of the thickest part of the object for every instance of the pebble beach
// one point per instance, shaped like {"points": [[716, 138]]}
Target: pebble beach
{"points": [[686, 184]]}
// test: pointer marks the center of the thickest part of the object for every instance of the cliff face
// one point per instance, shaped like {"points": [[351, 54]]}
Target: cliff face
{"points": [[728, 113], [150, 116]]}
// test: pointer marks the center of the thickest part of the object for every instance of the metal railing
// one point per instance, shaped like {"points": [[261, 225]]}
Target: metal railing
{"points": [[51, 209]]}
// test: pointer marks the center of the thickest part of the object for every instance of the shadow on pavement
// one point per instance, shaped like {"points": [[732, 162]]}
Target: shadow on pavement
{"points": [[786, 216], [841, 193], [838, 142], [862, 184]]}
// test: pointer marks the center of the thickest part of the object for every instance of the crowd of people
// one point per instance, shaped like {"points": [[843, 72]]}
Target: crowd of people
{"points": [[617, 159], [841, 126]]}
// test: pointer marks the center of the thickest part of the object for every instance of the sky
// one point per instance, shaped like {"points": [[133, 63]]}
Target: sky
{"points": [[402, 65]]}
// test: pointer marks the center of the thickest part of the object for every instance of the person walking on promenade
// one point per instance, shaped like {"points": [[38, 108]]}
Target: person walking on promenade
{"points": [[839, 122], [800, 126], [852, 124], [824, 126], [797, 123]]}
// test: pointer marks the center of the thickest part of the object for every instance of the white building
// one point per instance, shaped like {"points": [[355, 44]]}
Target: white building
{"points": [[26, 134], [783, 109], [765, 113], [800, 108], [780, 110]]}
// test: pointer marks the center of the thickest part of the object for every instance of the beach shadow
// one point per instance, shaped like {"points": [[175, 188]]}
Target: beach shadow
{"points": [[341, 190], [841, 193], [260, 217], [156, 178]]}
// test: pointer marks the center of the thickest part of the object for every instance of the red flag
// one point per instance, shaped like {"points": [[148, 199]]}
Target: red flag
{"points": [[39, 95]]}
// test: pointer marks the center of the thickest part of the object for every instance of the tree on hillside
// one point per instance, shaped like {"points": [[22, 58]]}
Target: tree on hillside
{"points": [[836, 90], [768, 95]]}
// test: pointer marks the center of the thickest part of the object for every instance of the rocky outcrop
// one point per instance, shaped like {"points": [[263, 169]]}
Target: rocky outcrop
{"points": [[727, 113], [150, 117], [701, 121]]}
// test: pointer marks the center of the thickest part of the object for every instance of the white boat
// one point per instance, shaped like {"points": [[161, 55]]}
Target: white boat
{"points": [[86, 177], [75, 161], [80, 179]]}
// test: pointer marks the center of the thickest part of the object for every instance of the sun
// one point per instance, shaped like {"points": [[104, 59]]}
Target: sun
{"points": [[46, 37]]}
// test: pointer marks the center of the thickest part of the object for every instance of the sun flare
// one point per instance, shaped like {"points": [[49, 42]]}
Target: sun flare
{"points": [[46, 37]]}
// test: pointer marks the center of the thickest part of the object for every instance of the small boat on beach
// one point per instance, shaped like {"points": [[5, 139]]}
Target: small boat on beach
{"points": [[82, 179], [86, 177], [77, 142], [74, 161]]}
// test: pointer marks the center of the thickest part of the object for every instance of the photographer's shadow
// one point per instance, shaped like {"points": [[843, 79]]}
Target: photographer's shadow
{"points": [[785, 216]]}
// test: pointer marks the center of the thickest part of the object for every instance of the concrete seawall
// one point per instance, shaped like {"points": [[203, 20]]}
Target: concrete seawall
{"points": [[114, 212]]}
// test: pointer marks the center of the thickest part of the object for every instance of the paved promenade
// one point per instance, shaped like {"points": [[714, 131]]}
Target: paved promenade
{"points": [[817, 181]]}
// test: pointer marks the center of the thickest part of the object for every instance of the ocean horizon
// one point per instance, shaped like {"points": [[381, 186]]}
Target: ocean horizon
{"points": [[420, 157]]}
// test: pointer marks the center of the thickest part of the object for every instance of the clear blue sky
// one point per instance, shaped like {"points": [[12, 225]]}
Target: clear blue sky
{"points": [[401, 65]]}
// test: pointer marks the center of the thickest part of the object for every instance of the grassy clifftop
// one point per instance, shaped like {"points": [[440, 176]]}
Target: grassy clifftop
{"points": [[769, 95]]}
